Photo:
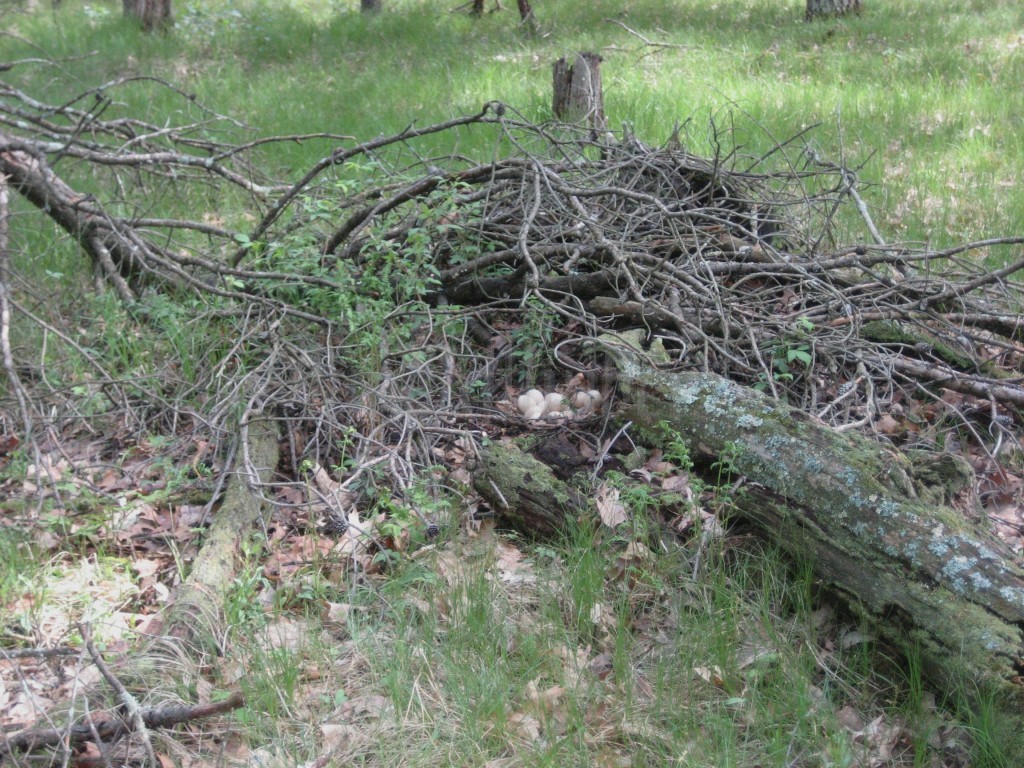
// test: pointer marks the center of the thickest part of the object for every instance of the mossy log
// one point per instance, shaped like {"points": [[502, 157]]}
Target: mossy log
{"points": [[200, 600], [524, 491], [875, 523], [870, 519]]}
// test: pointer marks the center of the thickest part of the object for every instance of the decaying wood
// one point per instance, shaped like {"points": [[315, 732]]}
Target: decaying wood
{"points": [[111, 728], [876, 533], [201, 596], [874, 522], [577, 95], [524, 491]]}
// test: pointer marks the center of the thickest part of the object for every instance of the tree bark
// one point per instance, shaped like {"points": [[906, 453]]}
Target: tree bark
{"points": [[76, 213], [874, 523], [524, 491], [526, 16], [824, 8], [370, 6], [151, 14], [577, 94], [201, 597]]}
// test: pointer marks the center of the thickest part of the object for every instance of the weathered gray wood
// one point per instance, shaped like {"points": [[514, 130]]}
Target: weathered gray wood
{"points": [[200, 599], [863, 516], [577, 95]]}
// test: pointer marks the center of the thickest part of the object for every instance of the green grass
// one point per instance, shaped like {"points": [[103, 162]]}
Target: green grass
{"points": [[483, 652], [925, 93]]}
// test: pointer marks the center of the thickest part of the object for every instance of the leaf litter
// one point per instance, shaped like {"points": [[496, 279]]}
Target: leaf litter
{"points": [[141, 527]]}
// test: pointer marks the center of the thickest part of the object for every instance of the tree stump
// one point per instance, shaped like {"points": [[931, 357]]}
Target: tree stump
{"points": [[577, 95], [817, 9], [151, 14]]}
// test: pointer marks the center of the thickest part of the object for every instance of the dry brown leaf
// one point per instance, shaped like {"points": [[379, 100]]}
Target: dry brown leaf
{"points": [[334, 494], [611, 512], [527, 726], [679, 483], [370, 706], [545, 699], [887, 425], [336, 735], [711, 675]]}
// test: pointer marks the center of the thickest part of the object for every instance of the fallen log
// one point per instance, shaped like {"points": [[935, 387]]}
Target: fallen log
{"points": [[107, 726], [200, 599], [874, 522]]}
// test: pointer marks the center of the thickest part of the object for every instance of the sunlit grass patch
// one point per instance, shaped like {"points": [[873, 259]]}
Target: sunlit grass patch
{"points": [[873, 84]]}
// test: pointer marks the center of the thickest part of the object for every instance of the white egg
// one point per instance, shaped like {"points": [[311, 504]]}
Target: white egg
{"points": [[553, 402], [536, 396], [523, 403], [582, 401], [534, 412], [596, 397]]}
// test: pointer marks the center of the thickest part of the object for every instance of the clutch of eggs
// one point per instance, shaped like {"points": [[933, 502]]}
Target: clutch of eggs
{"points": [[534, 404]]}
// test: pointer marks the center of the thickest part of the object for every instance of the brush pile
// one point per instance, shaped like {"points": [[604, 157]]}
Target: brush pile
{"points": [[410, 297]]}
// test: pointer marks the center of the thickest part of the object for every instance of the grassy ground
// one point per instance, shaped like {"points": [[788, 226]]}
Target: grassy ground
{"points": [[925, 95], [483, 650]]}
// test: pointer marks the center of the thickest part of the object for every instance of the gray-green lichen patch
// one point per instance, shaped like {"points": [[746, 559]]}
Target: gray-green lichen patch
{"points": [[1013, 595], [747, 421]]}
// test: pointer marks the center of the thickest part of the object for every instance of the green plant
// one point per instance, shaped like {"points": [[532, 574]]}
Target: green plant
{"points": [[532, 340], [243, 609], [16, 560], [725, 466], [674, 446]]}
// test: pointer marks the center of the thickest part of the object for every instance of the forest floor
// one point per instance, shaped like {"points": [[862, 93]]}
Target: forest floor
{"points": [[653, 634]]}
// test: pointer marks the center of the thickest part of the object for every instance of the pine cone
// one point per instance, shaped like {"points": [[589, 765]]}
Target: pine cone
{"points": [[335, 525]]}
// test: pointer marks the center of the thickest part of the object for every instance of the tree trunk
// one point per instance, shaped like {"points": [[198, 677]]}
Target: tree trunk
{"points": [[370, 6], [151, 14], [873, 522], [823, 8], [526, 16], [576, 93]]}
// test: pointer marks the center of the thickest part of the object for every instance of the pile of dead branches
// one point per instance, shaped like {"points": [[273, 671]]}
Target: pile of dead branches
{"points": [[384, 310], [731, 264]]}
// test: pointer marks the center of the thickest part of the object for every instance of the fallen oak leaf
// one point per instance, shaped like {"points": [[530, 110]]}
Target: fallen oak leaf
{"points": [[609, 509]]}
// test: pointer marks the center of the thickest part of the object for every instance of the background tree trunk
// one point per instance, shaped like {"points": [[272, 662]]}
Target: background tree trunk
{"points": [[370, 6], [822, 8], [526, 16], [151, 14]]}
